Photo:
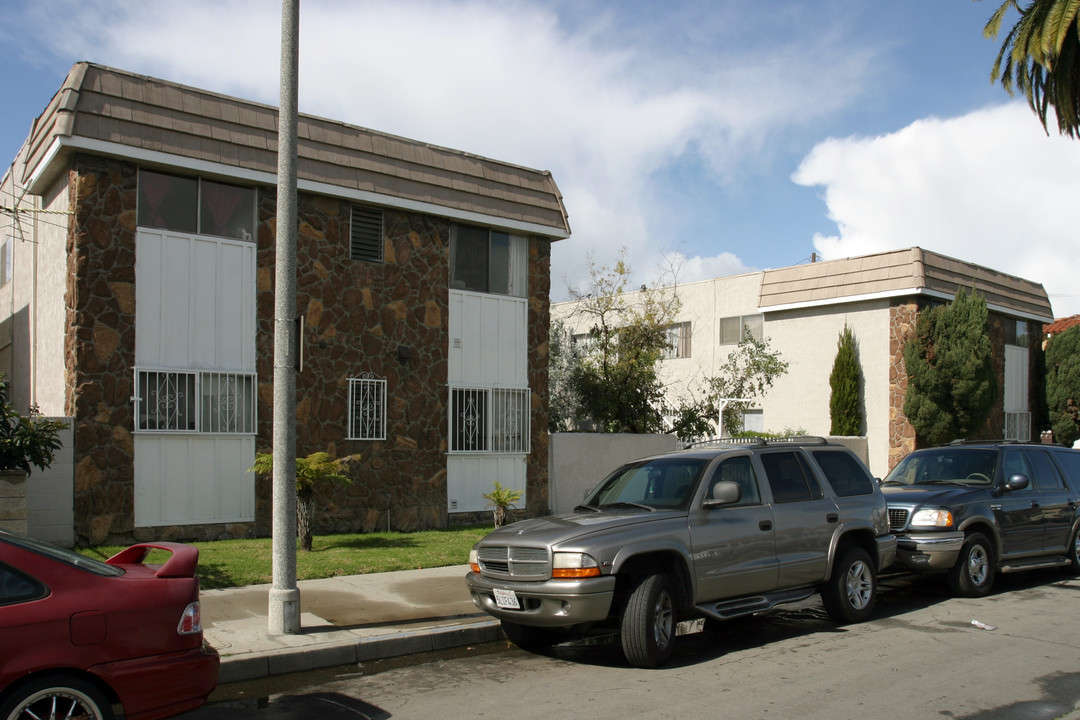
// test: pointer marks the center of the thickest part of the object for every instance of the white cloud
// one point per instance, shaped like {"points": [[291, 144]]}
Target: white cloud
{"points": [[988, 187]]}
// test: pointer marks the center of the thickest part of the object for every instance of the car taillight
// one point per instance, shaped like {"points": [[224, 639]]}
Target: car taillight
{"points": [[191, 620]]}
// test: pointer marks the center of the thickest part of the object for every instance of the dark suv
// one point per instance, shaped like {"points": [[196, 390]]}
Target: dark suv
{"points": [[975, 509]]}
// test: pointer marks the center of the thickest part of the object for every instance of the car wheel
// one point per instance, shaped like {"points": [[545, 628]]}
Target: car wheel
{"points": [[648, 623], [1073, 567], [57, 697], [527, 637], [850, 594], [973, 573]]}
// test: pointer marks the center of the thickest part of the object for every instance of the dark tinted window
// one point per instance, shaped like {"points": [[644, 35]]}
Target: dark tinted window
{"points": [[16, 587], [844, 473], [1046, 475], [789, 478], [1015, 462], [1070, 462]]}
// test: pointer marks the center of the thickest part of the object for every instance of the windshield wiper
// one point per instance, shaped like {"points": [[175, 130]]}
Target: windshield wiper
{"points": [[587, 507], [625, 504]]}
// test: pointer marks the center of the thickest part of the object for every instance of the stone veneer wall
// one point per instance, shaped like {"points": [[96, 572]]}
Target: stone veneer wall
{"points": [[99, 345], [902, 317], [356, 314]]}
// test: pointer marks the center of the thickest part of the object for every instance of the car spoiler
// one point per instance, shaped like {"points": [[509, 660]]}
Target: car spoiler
{"points": [[184, 560]]}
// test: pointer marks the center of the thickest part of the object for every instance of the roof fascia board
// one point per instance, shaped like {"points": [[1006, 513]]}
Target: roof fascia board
{"points": [[936, 294], [67, 143]]}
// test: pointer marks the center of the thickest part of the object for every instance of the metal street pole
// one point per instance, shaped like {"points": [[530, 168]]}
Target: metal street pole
{"points": [[284, 614]]}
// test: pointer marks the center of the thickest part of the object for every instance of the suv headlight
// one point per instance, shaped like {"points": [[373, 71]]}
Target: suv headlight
{"points": [[474, 561], [573, 566], [932, 518]]}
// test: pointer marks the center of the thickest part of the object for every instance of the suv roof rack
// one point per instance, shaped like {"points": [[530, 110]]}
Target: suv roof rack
{"points": [[760, 441]]}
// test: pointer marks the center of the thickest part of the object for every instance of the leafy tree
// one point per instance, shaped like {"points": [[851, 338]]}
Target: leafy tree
{"points": [[845, 410], [749, 371], [1063, 385], [26, 440], [310, 471], [951, 382], [616, 382], [564, 357], [1040, 57]]}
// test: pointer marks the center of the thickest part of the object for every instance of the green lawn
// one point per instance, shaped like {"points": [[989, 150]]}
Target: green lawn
{"points": [[232, 563]]}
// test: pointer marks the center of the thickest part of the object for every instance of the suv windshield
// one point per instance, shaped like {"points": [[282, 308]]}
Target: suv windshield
{"points": [[664, 483], [945, 466]]}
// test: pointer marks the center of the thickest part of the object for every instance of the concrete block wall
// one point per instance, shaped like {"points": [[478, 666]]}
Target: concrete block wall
{"points": [[50, 513], [577, 462]]}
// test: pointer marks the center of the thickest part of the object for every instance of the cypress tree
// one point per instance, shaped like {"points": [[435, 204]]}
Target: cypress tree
{"points": [[951, 382], [844, 408]]}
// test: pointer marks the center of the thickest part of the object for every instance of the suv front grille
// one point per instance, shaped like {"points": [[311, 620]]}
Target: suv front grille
{"points": [[517, 562], [898, 518]]}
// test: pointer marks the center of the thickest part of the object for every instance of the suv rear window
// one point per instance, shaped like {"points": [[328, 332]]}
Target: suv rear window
{"points": [[789, 478], [844, 473], [1070, 461]]}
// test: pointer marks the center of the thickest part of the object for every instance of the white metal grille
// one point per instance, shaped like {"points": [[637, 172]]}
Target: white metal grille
{"points": [[367, 407], [1018, 426], [489, 420], [194, 401]]}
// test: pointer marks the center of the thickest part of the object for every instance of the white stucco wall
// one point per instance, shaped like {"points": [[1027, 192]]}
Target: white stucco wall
{"points": [[807, 340], [50, 510]]}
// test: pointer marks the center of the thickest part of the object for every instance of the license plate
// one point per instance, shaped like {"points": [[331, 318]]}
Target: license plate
{"points": [[506, 599]]}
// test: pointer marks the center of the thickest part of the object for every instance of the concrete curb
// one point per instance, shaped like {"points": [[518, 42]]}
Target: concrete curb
{"points": [[253, 666]]}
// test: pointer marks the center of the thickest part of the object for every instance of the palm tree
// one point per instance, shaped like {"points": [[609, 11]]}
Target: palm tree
{"points": [[1040, 57], [310, 470]]}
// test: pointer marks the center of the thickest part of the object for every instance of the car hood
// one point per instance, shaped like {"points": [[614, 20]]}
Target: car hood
{"points": [[570, 526], [934, 495]]}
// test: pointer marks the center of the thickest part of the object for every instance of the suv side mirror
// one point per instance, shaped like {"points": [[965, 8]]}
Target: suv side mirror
{"points": [[724, 492], [1017, 482]]}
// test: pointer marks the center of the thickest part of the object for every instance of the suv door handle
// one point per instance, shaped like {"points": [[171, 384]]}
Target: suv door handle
{"points": [[765, 525], [832, 517]]}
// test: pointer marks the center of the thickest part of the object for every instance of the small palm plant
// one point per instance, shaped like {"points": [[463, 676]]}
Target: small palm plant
{"points": [[501, 500], [311, 470], [26, 440]]}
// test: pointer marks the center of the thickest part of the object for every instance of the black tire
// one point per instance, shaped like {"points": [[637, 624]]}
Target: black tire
{"points": [[973, 573], [849, 595], [648, 623], [1073, 568], [528, 637], [75, 697]]}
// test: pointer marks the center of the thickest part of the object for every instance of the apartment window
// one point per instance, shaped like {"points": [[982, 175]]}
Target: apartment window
{"points": [[195, 401], [733, 329], [489, 420], [367, 407], [195, 206], [366, 234], [6, 262], [678, 341], [1016, 332], [487, 261]]}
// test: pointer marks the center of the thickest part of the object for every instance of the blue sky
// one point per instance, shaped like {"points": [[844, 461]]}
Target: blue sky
{"points": [[719, 136]]}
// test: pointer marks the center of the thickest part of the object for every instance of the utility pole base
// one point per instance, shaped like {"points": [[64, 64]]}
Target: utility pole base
{"points": [[284, 612]]}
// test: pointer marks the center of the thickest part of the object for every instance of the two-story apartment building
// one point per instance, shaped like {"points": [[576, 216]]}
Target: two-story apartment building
{"points": [[137, 299]]}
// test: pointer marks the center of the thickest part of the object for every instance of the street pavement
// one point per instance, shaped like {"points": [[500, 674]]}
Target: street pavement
{"points": [[345, 620]]}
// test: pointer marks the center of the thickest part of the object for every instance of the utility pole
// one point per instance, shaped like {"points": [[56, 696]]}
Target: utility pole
{"points": [[284, 614]]}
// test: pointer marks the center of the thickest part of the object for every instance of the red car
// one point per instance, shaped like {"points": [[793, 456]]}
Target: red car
{"points": [[81, 638]]}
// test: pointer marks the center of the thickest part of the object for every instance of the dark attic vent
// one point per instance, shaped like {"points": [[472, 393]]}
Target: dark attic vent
{"points": [[366, 234]]}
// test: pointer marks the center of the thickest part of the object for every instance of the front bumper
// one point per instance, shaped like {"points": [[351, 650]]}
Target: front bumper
{"points": [[929, 551], [550, 603]]}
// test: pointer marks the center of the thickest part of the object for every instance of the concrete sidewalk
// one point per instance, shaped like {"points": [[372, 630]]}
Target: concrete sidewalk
{"points": [[345, 620]]}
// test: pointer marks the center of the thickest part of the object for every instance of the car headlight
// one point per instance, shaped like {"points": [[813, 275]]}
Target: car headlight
{"points": [[474, 561], [573, 565], [932, 517]]}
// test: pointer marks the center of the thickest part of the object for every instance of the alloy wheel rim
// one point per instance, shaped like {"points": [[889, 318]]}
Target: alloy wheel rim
{"points": [[664, 620], [860, 584], [977, 565]]}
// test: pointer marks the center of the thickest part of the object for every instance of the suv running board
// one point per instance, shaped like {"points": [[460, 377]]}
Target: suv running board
{"points": [[747, 605], [1018, 565]]}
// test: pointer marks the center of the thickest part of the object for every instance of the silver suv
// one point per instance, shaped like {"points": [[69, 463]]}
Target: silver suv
{"points": [[713, 532]]}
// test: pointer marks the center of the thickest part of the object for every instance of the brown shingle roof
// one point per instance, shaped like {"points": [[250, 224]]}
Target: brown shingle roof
{"points": [[912, 271], [111, 111]]}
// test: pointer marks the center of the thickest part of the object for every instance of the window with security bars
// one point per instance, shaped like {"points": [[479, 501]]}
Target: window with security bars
{"points": [[366, 234], [367, 407], [489, 420], [194, 401]]}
